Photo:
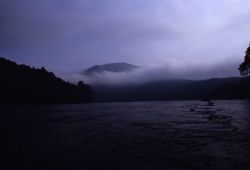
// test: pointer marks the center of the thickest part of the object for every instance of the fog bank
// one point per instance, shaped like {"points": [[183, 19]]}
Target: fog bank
{"points": [[151, 73]]}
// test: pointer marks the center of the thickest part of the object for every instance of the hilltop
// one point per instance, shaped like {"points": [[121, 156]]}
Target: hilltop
{"points": [[111, 67]]}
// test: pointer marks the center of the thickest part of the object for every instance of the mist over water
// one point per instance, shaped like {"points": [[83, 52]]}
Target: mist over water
{"points": [[162, 52]]}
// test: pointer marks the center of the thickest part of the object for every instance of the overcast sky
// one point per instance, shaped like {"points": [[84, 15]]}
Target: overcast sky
{"points": [[69, 35]]}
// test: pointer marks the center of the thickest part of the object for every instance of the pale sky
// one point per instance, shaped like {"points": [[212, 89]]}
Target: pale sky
{"points": [[70, 35]]}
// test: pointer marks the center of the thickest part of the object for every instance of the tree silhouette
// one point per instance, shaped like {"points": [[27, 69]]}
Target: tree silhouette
{"points": [[21, 84], [80, 83], [245, 66]]}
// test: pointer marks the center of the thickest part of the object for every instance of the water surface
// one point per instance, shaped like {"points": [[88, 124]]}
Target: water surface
{"points": [[134, 135]]}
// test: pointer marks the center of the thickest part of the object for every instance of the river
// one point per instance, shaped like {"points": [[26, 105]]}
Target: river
{"points": [[132, 135]]}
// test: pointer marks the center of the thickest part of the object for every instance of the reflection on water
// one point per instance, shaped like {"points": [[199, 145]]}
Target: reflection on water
{"points": [[136, 135]]}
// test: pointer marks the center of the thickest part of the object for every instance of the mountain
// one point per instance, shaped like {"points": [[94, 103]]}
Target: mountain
{"points": [[20, 84], [216, 88], [112, 67]]}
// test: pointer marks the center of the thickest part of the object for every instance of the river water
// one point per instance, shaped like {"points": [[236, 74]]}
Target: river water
{"points": [[133, 135]]}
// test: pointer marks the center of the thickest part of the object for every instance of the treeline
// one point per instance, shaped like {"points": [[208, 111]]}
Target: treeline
{"points": [[21, 84], [217, 88]]}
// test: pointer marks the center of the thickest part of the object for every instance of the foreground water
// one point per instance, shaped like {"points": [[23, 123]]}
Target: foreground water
{"points": [[136, 135]]}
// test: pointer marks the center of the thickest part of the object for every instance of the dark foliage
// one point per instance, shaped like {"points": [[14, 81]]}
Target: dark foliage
{"points": [[21, 84], [245, 66]]}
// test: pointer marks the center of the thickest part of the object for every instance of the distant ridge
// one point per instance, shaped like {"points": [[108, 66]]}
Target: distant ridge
{"points": [[111, 67], [215, 88]]}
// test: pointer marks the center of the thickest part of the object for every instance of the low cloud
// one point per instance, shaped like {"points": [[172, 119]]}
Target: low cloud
{"points": [[145, 74]]}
